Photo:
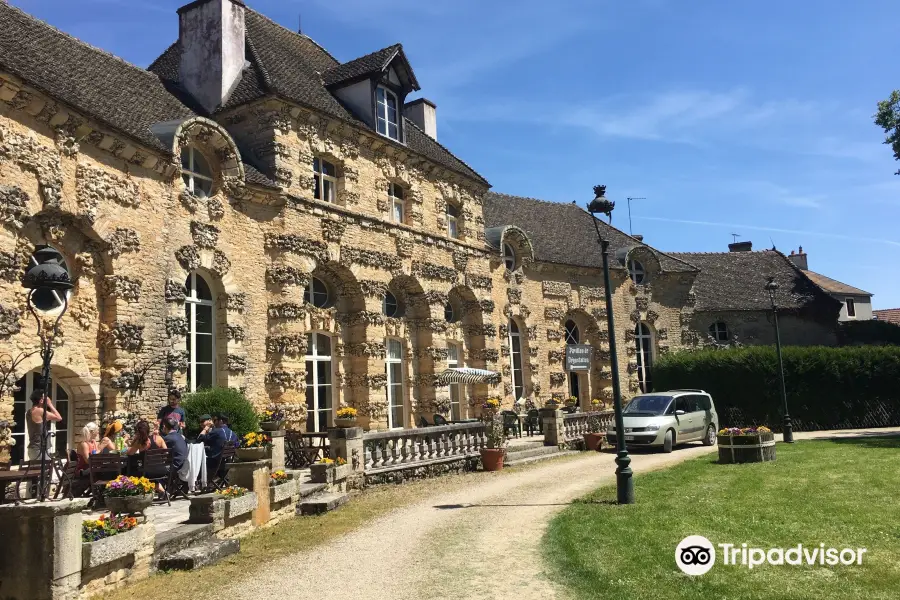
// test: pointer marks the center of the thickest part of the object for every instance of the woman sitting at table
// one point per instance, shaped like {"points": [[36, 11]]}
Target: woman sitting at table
{"points": [[88, 446], [145, 440], [115, 440]]}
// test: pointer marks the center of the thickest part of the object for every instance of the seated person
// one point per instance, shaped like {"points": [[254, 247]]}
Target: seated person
{"points": [[145, 440], [176, 442], [216, 439], [115, 440], [206, 423], [88, 446]]}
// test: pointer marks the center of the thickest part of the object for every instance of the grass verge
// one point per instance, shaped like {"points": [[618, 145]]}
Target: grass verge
{"points": [[839, 492]]}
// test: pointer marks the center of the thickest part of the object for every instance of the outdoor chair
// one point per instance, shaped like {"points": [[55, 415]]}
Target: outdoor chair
{"points": [[439, 420], [101, 469], [533, 422], [511, 423], [156, 465], [70, 483], [423, 422], [218, 479], [30, 471]]}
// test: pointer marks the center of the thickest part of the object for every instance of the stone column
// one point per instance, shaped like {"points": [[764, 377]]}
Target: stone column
{"points": [[255, 477], [277, 450], [554, 434], [42, 550], [347, 443]]}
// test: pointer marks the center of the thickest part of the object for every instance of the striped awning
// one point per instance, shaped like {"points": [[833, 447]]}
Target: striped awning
{"points": [[468, 375]]}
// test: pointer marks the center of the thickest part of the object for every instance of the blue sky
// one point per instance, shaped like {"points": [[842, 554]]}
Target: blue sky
{"points": [[749, 118]]}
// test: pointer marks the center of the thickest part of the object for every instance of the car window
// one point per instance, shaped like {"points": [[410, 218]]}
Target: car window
{"points": [[681, 403], [703, 403]]}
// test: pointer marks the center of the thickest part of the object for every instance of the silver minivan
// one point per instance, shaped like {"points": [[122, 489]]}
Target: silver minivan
{"points": [[664, 419]]}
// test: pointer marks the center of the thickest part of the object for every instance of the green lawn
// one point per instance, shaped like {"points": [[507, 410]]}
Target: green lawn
{"points": [[845, 493]]}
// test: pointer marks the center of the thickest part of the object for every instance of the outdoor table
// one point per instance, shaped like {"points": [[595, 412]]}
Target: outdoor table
{"points": [[195, 461], [17, 478]]}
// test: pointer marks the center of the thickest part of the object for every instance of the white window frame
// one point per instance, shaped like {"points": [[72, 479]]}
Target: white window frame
{"points": [[191, 303], [60, 299], [574, 336], [457, 391], [636, 271], [310, 293], [509, 257], [452, 213], [392, 399], [382, 113], [397, 203], [190, 174], [644, 355], [850, 303], [21, 437], [320, 176], [518, 386], [719, 331], [313, 357]]}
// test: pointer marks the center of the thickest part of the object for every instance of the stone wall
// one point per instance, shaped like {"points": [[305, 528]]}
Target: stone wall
{"points": [[756, 328]]}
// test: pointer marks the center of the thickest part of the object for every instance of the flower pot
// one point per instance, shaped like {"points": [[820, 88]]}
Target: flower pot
{"points": [[252, 454], [492, 459], [345, 423], [755, 447], [129, 505], [593, 441], [271, 425]]}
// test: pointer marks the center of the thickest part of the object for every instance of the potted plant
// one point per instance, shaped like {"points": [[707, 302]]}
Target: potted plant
{"points": [[279, 477], [744, 444], [593, 439], [94, 530], [495, 436], [571, 404], [323, 471], [128, 495], [272, 418], [254, 446], [596, 404], [346, 417]]}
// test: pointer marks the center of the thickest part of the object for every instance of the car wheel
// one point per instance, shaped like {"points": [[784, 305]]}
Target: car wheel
{"points": [[710, 438], [669, 441]]}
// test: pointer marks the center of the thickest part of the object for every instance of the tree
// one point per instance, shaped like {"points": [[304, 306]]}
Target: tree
{"points": [[888, 118]]}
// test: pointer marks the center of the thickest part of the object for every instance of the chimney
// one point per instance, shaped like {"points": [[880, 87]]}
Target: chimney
{"points": [[211, 33], [740, 247], [638, 237], [799, 259], [423, 113]]}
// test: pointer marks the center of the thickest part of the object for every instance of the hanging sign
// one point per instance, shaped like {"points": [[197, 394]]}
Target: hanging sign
{"points": [[578, 357]]}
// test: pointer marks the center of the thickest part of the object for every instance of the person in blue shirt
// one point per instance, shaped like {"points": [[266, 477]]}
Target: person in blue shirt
{"points": [[172, 410], [215, 439]]}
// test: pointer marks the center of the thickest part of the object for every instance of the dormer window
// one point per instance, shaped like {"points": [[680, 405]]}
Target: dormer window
{"points": [[386, 114], [509, 257], [636, 271], [397, 207], [452, 221], [195, 172], [326, 180]]}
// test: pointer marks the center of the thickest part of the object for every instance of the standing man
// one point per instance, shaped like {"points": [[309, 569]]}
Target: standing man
{"points": [[39, 405], [172, 410]]}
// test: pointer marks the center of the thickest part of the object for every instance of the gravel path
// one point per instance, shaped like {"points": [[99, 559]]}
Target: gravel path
{"points": [[481, 542]]}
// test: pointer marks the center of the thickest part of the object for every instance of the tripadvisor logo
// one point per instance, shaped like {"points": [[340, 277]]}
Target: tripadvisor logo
{"points": [[695, 555]]}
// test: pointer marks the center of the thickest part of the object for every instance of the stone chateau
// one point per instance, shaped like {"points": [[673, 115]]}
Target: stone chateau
{"points": [[251, 212]]}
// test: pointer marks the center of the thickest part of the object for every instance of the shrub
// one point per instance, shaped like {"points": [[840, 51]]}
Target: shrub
{"points": [[241, 414], [870, 331], [827, 388]]}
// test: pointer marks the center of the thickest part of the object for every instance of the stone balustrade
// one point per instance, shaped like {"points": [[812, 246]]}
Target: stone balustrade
{"points": [[575, 425], [414, 448]]}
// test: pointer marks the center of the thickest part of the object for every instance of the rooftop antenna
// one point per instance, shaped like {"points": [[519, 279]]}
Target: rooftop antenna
{"points": [[300, 23], [629, 213], [773, 243], [734, 237]]}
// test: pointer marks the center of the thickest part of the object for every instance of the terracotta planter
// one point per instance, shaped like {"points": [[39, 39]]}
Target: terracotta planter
{"points": [[252, 454], [129, 505], [345, 423], [593, 441], [492, 459], [271, 425]]}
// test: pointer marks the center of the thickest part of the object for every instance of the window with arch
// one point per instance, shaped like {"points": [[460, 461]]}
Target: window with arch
{"points": [[386, 115], [393, 368], [319, 387], [196, 173], [636, 271], [48, 300], [452, 221], [719, 331], [200, 311], [396, 203], [325, 180], [316, 293], [515, 360], [454, 352], [509, 257], [572, 333], [573, 336], [643, 339], [61, 438], [450, 313], [390, 306]]}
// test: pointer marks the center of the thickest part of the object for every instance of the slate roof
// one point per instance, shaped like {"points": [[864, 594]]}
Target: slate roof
{"points": [[891, 315], [289, 64], [364, 65], [736, 281], [564, 233], [833, 286]]}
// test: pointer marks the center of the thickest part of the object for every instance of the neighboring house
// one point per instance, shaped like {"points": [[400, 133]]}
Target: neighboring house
{"points": [[856, 303], [891, 315]]}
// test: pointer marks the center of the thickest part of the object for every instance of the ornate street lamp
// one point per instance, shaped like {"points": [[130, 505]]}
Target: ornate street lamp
{"points": [[624, 482], [788, 435], [47, 275]]}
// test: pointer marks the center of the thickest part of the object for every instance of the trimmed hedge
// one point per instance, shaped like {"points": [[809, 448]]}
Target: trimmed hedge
{"points": [[827, 388], [879, 333], [241, 414]]}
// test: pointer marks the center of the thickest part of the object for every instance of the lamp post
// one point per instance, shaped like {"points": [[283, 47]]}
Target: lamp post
{"points": [[47, 275], [788, 432], [624, 482]]}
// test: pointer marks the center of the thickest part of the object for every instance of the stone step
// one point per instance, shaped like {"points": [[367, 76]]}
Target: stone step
{"points": [[205, 553], [321, 503], [310, 489], [529, 451], [178, 538], [518, 462]]}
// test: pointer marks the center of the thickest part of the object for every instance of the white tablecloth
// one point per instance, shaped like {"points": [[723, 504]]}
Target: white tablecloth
{"points": [[194, 467]]}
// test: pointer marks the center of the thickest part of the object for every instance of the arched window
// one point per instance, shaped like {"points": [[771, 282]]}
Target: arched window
{"points": [[572, 337], [390, 307], [42, 298], [450, 313], [316, 293], [636, 271], [318, 382], [719, 331], [452, 221], [454, 350], [61, 432], [643, 339], [509, 257], [195, 172], [572, 334], [515, 360], [325, 180], [396, 202], [393, 368], [386, 116], [200, 310]]}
